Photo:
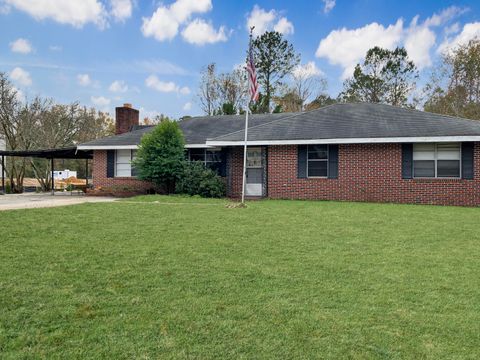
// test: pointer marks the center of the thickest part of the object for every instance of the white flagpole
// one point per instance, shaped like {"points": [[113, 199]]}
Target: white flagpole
{"points": [[245, 157]]}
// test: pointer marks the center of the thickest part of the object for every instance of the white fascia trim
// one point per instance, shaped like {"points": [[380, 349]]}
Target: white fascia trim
{"points": [[197, 146], [131, 147], [349, 141], [107, 147]]}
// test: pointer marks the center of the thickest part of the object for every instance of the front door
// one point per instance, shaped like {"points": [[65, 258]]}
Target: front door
{"points": [[254, 184]]}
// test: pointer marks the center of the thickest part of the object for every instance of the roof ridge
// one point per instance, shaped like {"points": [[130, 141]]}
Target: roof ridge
{"points": [[274, 121]]}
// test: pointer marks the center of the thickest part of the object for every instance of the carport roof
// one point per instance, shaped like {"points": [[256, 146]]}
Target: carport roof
{"points": [[63, 153]]}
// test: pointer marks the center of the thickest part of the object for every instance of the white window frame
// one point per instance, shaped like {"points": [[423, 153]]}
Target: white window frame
{"points": [[324, 160], [435, 159], [132, 157]]}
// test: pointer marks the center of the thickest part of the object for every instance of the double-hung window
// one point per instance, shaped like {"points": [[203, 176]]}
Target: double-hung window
{"points": [[317, 161], [440, 160], [211, 158], [123, 163]]}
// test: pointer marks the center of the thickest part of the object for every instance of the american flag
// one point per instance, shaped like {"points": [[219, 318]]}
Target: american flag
{"points": [[252, 75]]}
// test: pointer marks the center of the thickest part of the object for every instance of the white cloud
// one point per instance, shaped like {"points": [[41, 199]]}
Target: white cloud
{"points": [[72, 12], [184, 90], [84, 80], [445, 15], [452, 29], [21, 46], [328, 5], [55, 48], [153, 82], [284, 26], [346, 47], [199, 32], [418, 41], [156, 84], [263, 21], [187, 106], [470, 31], [100, 101], [118, 86], [20, 76], [121, 9], [165, 21], [306, 71]]}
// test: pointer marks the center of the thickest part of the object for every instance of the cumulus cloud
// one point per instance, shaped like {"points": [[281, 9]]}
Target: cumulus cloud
{"points": [[306, 71], [100, 101], [118, 86], [187, 106], [347, 47], [164, 23], [328, 5], [21, 46], [84, 80], [72, 12], [263, 21], [21, 77], [283, 26], [55, 48], [121, 9], [469, 32], [199, 32], [153, 82]]}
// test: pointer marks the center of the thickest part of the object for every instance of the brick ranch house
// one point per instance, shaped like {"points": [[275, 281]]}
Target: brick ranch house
{"points": [[351, 152]]}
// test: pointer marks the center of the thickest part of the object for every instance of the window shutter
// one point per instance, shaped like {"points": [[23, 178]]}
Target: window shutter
{"points": [[467, 160], [222, 170], [302, 161], [332, 161], [407, 161], [110, 163]]}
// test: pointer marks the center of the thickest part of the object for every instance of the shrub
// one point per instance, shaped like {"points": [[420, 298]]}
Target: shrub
{"points": [[197, 180], [161, 155]]}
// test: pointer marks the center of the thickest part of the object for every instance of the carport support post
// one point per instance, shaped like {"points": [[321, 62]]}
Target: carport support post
{"points": [[86, 172], [3, 174], [53, 181]]}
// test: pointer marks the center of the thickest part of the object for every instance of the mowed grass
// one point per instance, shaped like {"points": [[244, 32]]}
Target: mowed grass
{"points": [[175, 278]]}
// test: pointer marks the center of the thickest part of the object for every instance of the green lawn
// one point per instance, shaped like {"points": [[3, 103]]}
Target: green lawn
{"points": [[168, 277]]}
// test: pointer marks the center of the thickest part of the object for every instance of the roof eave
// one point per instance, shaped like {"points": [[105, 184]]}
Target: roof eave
{"points": [[379, 140]]}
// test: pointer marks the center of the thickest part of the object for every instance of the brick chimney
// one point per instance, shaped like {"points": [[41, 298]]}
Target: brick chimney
{"points": [[125, 118]]}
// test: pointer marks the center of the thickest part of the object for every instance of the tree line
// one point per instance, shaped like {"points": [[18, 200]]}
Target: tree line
{"points": [[40, 123], [384, 76]]}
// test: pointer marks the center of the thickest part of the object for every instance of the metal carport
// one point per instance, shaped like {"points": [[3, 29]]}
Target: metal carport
{"points": [[52, 154]]}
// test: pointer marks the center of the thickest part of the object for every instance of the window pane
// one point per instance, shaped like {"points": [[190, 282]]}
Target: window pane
{"points": [[317, 152], [424, 168], [424, 152], [448, 168], [254, 158], [197, 154], [448, 151], [214, 156], [317, 168], [123, 173]]}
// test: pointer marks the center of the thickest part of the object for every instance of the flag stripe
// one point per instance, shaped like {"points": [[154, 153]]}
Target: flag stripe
{"points": [[252, 75]]}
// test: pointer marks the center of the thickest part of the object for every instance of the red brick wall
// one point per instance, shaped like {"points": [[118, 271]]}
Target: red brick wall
{"points": [[99, 175], [368, 172], [235, 167]]}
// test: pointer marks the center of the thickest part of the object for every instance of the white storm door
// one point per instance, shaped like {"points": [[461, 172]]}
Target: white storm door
{"points": [[254, 184]]}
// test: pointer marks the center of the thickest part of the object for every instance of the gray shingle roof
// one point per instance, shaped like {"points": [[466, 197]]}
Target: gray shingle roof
{"points": [[339, 121], [358, 120], [196, 129]]}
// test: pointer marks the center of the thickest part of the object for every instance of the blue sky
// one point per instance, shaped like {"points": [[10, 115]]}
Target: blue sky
{"points": [[103, 53]]}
